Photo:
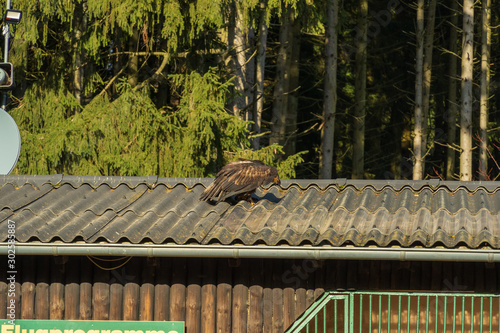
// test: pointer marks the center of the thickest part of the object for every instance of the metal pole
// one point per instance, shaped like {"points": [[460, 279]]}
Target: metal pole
{"points": [[5, 96], [257, 251], [6, 33]]}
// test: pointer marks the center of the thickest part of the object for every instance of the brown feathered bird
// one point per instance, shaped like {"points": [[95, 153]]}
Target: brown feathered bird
{"points": [[240, 178]]}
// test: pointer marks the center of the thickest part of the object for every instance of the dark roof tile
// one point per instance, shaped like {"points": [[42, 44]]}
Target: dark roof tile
{"points": [[324, 212]]}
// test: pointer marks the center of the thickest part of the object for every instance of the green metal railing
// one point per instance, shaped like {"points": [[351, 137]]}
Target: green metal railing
{"points": [[401, 312]]}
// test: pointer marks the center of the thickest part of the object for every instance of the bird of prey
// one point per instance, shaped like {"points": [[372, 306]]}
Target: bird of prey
{"points": [[240, 178]]}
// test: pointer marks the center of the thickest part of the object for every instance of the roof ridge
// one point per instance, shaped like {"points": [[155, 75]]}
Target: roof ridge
{"points": [[340, 183]]}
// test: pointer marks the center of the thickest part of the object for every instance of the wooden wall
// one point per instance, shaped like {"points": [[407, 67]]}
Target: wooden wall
{"points": [[216, 295]]}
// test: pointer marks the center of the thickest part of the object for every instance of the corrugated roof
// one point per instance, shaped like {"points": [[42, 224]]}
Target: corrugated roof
{"points": [[301, 212]]}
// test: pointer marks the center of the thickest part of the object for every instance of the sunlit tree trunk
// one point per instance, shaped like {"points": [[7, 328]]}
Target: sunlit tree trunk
{"points": [[240, 39], [236, 43], [427, 74], [259, 72], [418, 140], [358, 156], [330, 90], [451, 112], [485, 82], [467, 72]]}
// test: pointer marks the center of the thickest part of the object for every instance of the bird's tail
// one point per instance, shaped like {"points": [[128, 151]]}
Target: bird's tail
{"points": [[209, 193]]}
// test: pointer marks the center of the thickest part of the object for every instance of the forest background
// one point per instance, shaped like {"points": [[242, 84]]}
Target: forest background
{"points": [[386, 89]]}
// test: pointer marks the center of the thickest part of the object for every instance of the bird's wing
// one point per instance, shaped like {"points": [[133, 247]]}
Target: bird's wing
{"points": [[237, 177]]}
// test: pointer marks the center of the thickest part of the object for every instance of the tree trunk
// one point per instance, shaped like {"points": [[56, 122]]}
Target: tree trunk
{"points": [[79, 26], [451, 112], [358, 158], [427, 74], [249, 72], [259, 73], [330, 90], [485, 82], [293, 96], [282, 85], [467, 72], [418, 140], [236, 42], [133, 67], [243, 68]]}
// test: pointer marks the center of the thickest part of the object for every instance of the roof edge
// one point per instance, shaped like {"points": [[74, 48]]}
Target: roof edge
{"points": [[152, 181], [263, 252]]}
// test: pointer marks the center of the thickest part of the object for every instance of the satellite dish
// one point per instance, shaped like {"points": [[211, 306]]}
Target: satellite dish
{"points": [[10, 143]]}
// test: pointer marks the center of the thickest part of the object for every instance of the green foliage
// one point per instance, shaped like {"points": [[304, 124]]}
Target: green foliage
{"points": [[119, 137], [131, 136], [124, 132], [208, 130], [43, 118], [286, 168], [177, 125]]}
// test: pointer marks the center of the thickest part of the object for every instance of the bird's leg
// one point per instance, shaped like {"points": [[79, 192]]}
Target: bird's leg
{"points": [[246, 196]]}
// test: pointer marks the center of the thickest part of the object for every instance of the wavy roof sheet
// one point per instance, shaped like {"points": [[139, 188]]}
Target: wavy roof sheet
{"points": [[318, 213]]}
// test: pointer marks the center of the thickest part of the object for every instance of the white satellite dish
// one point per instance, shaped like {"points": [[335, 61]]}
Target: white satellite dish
{"points": [[10, 143]]}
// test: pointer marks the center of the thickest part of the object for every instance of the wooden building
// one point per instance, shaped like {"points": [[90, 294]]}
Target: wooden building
{"points": [[353, 255]]}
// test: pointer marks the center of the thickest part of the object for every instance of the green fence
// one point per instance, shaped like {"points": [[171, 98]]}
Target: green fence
{"points": [[401, 312]]}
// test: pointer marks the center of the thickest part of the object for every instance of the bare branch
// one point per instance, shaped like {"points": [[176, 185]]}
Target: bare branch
{"points": [[157, 74], [447, 145], [113, 79]]}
